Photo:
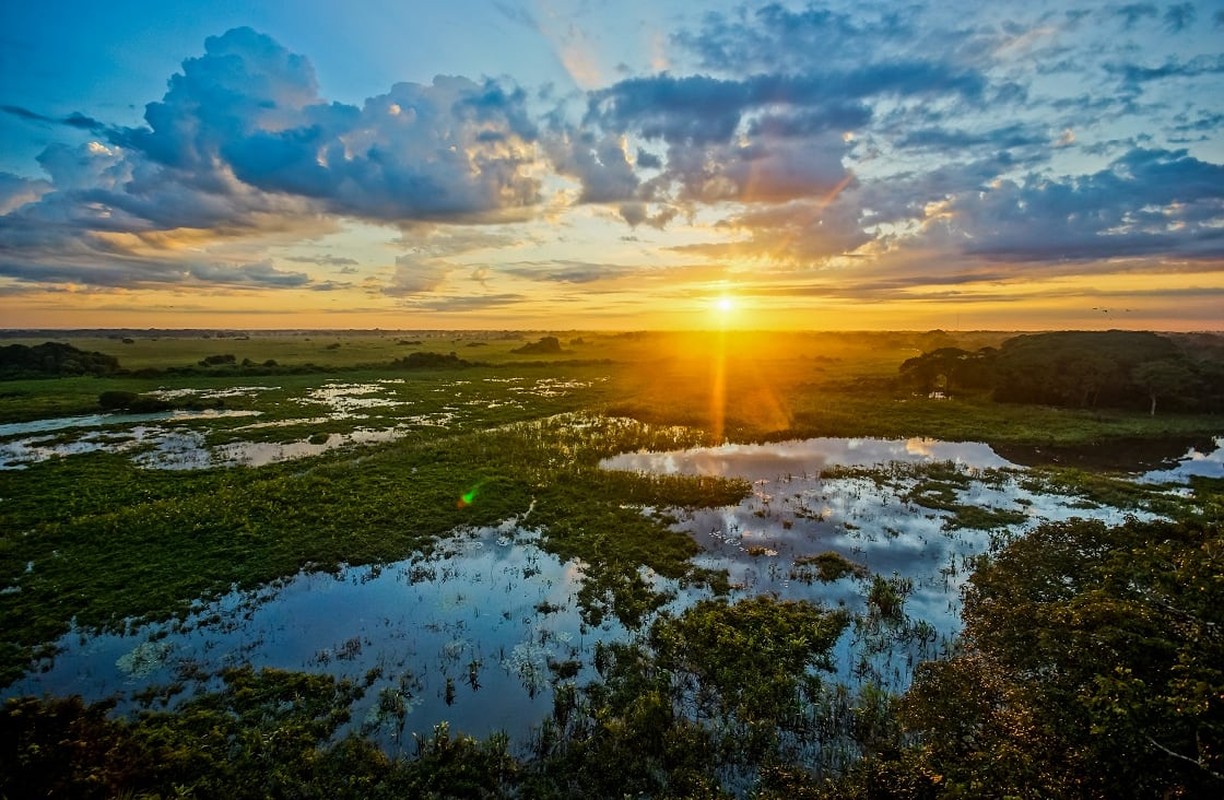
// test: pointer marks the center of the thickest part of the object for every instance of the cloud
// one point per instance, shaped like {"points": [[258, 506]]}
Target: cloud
{"points": [[599, 162], [455, 148], [414, 276], [324, 260], [74, 120], [260, 273], [16, 191], [803, 233], [944, 139], [243, 144], [1180, 16], [132, 273], [1134, 74], [1134, 13], [1149, 202], [478, 302], [573, 272]]}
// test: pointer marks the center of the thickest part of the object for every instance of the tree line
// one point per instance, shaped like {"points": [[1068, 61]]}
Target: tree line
{"points": [[1079, 369]]}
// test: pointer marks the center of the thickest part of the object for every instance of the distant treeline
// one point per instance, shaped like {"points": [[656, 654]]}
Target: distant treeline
{"points": [[1079, 369], [52, 359]]}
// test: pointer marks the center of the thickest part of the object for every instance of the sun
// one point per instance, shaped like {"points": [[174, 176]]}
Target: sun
{"points": [[725, 304]]}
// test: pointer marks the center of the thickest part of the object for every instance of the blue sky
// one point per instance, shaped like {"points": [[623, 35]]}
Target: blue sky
{"points": [[553, 163]]}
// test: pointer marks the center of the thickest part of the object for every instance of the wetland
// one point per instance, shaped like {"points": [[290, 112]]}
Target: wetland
{"points": [[529, 561]]}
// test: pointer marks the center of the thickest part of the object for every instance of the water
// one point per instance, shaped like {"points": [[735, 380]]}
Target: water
{"points": [[490, 611], [176, 444], [470, 613], [767, 461], [106, 420]]}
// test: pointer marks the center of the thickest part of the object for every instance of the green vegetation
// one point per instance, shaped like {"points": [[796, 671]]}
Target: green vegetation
{"points": [[1109, 369], [828, 567], [52, 359], [1089, 665]]}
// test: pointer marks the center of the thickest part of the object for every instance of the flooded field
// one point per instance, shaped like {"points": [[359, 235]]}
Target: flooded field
{"points": [[365, 413], [482, 630]]}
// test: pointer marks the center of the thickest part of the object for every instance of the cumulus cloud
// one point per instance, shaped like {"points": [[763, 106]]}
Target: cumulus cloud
{"points": [[804, 137], [242, 143], [1149, 201], [16, 191]]}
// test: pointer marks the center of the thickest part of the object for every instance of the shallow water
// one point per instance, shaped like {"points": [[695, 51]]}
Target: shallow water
{"points": [[490, 609], [469, 614], [808, 456], [106, 420], [1205, 462]]}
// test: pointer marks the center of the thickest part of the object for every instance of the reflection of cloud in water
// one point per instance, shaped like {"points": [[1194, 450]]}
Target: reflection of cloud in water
{"points": [[1194, 462], [211, 394], [756, 461], [792, 513], [105, 420], [402, 617]]}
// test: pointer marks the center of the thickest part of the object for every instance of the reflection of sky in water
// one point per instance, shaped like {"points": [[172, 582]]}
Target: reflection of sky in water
{"points": [[755, 461], [1194, 462], [103, 420], [187, 450], [475, 601], [428, 619], [178, 447], [793, 513]]}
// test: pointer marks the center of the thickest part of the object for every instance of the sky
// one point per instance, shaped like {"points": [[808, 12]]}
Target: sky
{"points": [[565, 164]]}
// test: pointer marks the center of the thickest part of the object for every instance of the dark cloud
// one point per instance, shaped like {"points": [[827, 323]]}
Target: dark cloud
{"points": [[580, 272], [777, 39], [648, 160], [1135, 74], [324, 260], [261, 273], [1180, 16], [143, 273], [1148, 202], [944, 140], [700, 109], [73, 120], [330, 286], [598, 162], [1133, 13]]}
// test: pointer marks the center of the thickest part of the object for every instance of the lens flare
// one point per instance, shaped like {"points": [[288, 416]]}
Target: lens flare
{"points": [[468, 497]]}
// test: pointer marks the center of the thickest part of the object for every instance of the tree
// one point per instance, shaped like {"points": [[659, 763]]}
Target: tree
{"points": [[1091, 665], [1167, 377]]}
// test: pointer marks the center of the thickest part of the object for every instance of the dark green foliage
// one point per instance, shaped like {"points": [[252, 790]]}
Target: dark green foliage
{"points": [[748, 661], [714, 692], [426, 360], [950, 369], [547, 345], [131, 401], [52, 360], [217, 361], [1076, 369], [1091, 665], [829, 566], [1079, 369]]}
